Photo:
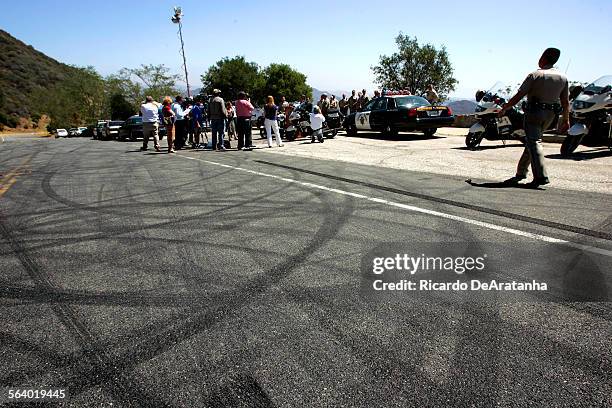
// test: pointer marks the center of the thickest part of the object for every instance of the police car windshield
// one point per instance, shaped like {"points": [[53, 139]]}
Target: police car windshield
{"points": [[411, 101]]}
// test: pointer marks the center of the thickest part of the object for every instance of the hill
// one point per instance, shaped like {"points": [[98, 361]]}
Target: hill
{"points": [[316, 93], [24, 70]]}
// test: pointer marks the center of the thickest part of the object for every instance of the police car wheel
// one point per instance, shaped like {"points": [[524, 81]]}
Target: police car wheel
{"points": [[351, 130], [389, 131], [430, 132]]}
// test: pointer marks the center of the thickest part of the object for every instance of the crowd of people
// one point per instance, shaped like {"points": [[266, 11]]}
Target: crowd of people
{"points": [[186, 120]]}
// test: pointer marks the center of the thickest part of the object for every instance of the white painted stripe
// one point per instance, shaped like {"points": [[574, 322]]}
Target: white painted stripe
{"points": [[413, 208]]}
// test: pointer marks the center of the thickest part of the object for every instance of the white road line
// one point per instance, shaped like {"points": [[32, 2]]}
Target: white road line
{"points": [[413, 208]]}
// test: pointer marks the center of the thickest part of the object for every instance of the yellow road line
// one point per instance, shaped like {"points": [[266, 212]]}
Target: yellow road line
{"points": [[11, 177]]}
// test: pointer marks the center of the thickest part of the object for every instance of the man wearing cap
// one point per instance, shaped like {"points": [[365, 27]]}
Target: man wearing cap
{"points": [[244, 108], [217, 114], [547, 96]]}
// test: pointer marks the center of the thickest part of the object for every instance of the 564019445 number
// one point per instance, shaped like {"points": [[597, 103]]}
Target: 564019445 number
{"points": [[33, 394]]}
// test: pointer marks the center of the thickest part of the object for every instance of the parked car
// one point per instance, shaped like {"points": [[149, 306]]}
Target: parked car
{"points": [[132, 130], [111, 129], [88, 131], [73, 132], [98, 129], [61, 133], [80, 130]]}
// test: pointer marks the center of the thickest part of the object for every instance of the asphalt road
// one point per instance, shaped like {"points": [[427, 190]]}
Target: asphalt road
{"points": [[244, 279]]}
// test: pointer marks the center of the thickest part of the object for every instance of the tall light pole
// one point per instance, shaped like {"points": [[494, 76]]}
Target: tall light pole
{"points": [[177, 19]]}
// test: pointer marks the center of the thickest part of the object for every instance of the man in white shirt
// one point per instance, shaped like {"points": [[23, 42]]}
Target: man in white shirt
{"points": [[150, 123]]}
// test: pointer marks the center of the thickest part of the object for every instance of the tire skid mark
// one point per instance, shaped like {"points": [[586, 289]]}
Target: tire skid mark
{"points": [[155, 340], [98, 361], [500, 213]]}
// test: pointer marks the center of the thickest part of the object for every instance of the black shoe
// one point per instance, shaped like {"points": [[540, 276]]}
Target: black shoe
{"points": [[513, 181], [535, 183], [142, 149], [312, 140]]}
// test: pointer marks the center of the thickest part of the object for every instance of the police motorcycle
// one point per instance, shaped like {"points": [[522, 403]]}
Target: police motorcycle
{"points": [[299, 122], [333, 123], [591, 115], [489, 126]]}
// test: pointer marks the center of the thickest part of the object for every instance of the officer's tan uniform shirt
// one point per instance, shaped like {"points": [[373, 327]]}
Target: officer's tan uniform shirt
{"points": [[323, 105], [544, 85]]}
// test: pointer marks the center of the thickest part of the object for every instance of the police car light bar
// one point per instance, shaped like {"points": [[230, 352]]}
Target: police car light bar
{"points": [[399, 92]]}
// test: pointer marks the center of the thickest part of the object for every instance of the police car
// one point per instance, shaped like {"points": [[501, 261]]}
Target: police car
{"points": [[399, 111]]}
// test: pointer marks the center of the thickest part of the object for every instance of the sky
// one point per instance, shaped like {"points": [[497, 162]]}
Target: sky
{"points": [[335, 43]]}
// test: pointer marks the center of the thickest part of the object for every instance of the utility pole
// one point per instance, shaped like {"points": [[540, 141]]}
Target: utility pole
{"points": [[177, 19]]}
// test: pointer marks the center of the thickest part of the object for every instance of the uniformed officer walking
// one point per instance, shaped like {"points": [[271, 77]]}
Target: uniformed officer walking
{"points": [[547, 96]]}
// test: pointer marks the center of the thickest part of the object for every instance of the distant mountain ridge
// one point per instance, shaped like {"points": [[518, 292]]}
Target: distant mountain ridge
{"points": [[316, 93]]}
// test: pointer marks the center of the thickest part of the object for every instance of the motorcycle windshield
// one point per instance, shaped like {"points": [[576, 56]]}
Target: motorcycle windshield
{"points": [[605, 82], [501, 90]]}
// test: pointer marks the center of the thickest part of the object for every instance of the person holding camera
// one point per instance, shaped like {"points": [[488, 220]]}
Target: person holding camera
{"points": [[244, 109]]}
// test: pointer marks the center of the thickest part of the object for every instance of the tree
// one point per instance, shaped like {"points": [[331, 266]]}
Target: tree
{"points": [[281, 79], [130, 86], [120, 108], [232, 75], [414, 67], [76, 100], [157, 80], [122, 84]]}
